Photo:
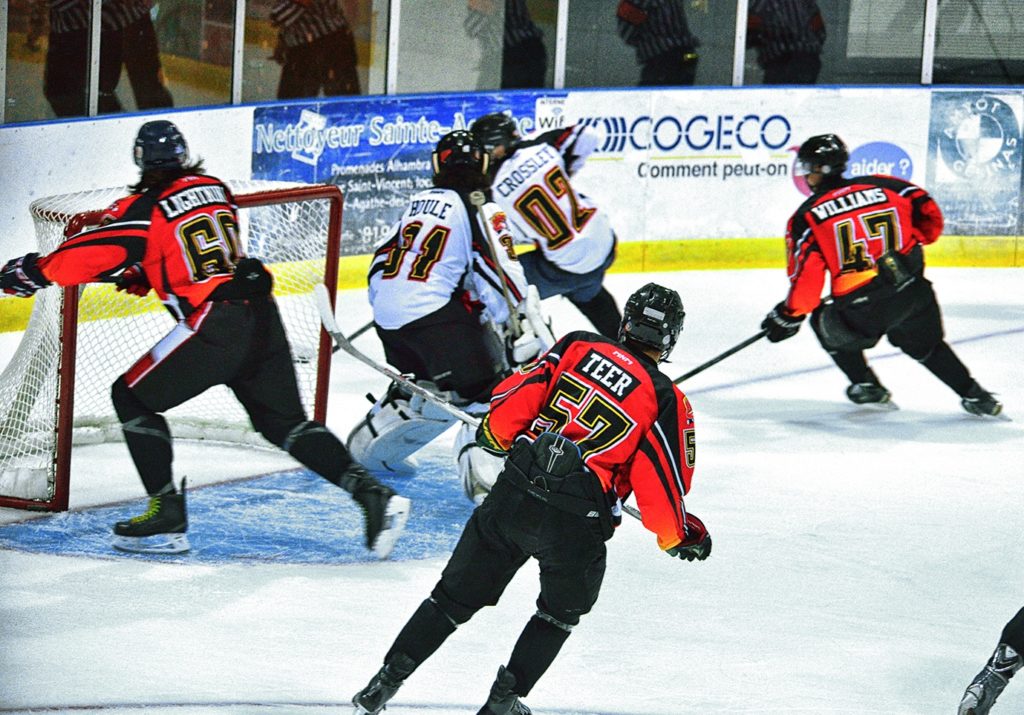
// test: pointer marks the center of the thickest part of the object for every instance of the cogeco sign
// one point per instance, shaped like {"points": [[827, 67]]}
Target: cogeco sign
{"points": [[701, 132]]}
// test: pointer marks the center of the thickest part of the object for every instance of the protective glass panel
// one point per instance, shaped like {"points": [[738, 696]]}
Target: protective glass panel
{"points": [[185, 61], [296, 48], [47, 57], [979, 42], [785, 40], [449, 45], [650, 43], [872, 41]]}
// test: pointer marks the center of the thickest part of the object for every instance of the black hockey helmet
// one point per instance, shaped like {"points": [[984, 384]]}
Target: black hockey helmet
{"points": [[824, 153], [497, 129], [653, 317], [459, 161], [159, 145]]}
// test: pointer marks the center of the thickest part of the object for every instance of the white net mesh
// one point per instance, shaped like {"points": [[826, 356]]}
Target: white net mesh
{"points": [[115, 329]]}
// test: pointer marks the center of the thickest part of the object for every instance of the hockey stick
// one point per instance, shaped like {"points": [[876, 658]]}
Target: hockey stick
{"points": [[715, 360], [353, 336], [478, 199], [323, 304], [359, 332]]}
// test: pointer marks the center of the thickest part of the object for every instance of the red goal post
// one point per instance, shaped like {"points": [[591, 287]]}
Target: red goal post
{"points": [[55, 389]]}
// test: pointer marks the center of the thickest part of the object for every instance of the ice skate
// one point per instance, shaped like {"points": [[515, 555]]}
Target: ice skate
{"points": [[384, 510], [870, 394], [989, 683], [160, 530], [979, 401], [503, 700], [383, 686]]}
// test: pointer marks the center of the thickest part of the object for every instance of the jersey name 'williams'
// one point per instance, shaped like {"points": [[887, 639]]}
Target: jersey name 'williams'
{"points": [[849, 202]]}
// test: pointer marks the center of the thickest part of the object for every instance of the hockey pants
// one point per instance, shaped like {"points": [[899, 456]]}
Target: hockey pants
{"points": [[510, 527]]}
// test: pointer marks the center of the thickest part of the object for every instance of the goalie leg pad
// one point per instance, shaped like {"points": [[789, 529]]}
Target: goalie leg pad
{"points": [[478, 470], [392, 432]]}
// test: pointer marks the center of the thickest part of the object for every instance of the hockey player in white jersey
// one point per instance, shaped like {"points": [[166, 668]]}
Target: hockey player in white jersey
{"points": [[441, 288], [573, 238]]}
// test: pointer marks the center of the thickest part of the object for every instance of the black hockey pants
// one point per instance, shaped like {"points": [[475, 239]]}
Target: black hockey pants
{"points": [[237, 343], [513, 524], [910, 318]]}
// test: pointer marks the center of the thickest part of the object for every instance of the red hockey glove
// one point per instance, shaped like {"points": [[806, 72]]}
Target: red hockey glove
{"points": [[696, 545], [22, 277], [780, 324], [133, 280]]}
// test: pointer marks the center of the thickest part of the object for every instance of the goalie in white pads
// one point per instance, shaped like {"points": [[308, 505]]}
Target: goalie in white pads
{"points": [[441, 288]]}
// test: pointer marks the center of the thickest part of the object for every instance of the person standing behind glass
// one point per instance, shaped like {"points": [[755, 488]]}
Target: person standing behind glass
{"points": [[524, 59], [665, 48], [127, 40], [316, 49], [788, 36]]}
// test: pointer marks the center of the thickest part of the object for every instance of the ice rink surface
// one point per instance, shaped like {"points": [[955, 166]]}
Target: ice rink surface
{"points": [[864, 561]]}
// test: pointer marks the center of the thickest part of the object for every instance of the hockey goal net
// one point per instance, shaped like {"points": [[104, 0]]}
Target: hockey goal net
{"points": [[55, 389]]}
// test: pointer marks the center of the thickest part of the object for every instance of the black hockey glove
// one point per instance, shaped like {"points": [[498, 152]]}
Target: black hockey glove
{"points": [[780, 324], [22, 277], [696, 545]]}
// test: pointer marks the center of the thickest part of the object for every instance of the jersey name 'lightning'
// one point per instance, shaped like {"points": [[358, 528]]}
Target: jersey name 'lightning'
{"points": [[532, 186], [185, 238], [438, 248]]}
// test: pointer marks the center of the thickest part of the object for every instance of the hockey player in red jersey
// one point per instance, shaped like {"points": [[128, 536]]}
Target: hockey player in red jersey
{"points": [[867, 234], [177, 234], [573, 240], [588, 424]]}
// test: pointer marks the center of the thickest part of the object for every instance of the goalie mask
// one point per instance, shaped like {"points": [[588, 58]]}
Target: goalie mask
{"points": [[653, 317], [460, 162], [159, 145], [824, 153], [494, 130]]}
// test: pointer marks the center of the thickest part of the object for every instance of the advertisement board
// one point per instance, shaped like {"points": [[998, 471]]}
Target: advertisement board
{"points": [[377, 150]]}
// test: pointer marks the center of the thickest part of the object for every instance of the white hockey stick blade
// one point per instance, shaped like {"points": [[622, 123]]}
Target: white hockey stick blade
{"points": [[632, 511], [395, 515], [323, 304]]}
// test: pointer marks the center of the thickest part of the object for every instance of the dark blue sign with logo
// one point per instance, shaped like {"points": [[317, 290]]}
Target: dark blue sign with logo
{"points": [[377, 150]]}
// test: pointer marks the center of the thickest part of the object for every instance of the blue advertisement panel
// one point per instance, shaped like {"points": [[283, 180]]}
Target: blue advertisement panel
{"points": [[376, 150], [974, 160]]}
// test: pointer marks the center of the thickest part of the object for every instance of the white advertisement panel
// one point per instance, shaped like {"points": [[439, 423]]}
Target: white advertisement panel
{"points": [[685, 164]]}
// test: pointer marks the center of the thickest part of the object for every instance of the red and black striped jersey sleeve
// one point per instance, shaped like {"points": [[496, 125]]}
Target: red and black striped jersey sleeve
{"points": [[98, 254], [185, 238]]}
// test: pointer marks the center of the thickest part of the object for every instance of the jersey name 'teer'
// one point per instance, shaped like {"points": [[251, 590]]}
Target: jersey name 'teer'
{"points": [[605, 372]]}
